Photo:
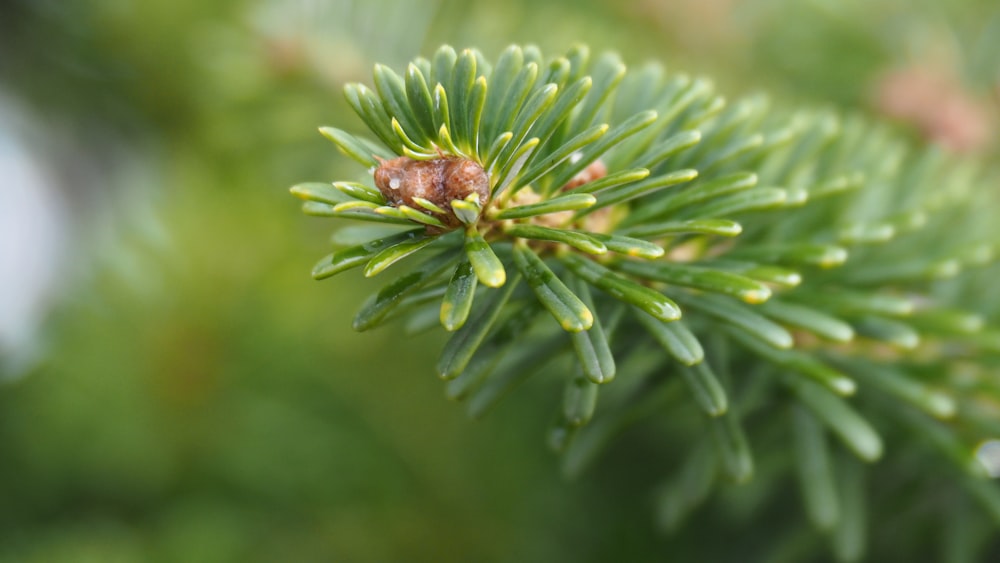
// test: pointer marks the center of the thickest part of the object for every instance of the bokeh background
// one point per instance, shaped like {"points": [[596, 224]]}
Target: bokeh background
{"points": [[175, 385]]}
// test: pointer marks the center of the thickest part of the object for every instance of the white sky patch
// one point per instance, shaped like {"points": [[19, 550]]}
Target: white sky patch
{"points": [[31, 235], [988, 454]]}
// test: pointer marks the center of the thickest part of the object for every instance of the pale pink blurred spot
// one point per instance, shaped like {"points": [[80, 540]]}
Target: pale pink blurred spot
{"points": [[933, 101]]}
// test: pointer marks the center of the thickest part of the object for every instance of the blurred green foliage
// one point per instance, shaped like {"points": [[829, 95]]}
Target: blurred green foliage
{"points": [[202, 399]]}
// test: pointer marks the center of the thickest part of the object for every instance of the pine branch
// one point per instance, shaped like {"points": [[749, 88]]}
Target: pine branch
{"points": [[641, 212]]}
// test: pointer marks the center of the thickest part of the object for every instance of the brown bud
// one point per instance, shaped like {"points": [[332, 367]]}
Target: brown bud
{"points": [[600, 220], [439, 181], [594, 171]]}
